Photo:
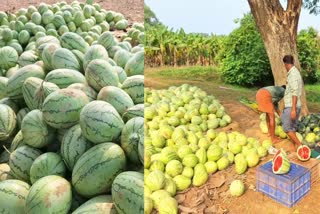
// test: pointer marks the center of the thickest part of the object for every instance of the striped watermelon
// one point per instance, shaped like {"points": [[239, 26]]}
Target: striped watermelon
{"points": [[58, 21], [94, 52], [60, 134], [107, 40], [12, 71], [35, 131], [80, 58], [17, 141], [20, 161], [90, 92], [74, 41], [96, 169], [13, 104], [98, 205], [135, 65], [20, 115], [113, 50], [100, 73], [61, 109], [121, 73], [28, 58], [74, 144], [100, 122], [3, 87], [122, 57], [134, 111], [35, 90], [13, 194], [14, 89], [128, 192], [65, 77], [47, 164], [8, 122], [50, 194], [64, 58], [43, 41], [47, 55], [134, 86], [117, 97], [131, 137], [8, 57]]}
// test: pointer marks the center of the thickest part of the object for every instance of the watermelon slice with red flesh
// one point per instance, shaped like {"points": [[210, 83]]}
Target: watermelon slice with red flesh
{"points": [[280, 163], [303, 153], [275, 156]]}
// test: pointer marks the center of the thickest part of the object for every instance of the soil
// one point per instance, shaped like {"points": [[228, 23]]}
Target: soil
{"points": [[214, 197]]}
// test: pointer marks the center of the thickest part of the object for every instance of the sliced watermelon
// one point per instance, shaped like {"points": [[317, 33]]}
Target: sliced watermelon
{"points": [[303, 153], [280, 163]]}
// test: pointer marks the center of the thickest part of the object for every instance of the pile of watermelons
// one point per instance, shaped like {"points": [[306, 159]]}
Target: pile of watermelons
{"points": [[309, 128], [71, 110]]}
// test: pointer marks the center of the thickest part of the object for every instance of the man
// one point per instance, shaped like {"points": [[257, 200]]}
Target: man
{"points": [[267, 99], [292, 100]]}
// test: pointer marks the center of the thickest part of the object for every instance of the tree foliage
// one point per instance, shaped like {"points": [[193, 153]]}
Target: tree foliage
{"points": [[150, 17]]}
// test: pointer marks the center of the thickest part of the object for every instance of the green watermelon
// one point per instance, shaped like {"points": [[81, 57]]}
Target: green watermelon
{"points": [[107, 40], [20, 115], [15, 82], [13, 104], [17, 141], [99, 205], [8, 57], [121, 73], [94, 52], [100, 73], [13, 194], [64, 58], [20, 161], [134, 86], [97, 117], [73, 145], [90, 92], [118, 98], [96, 169], [128, 192], [131, 137], [61, 109], [47, 53], [65, 77], [47, 164], [27, 58], [135, 65], [74, 41], [134, 111], [50, 194], [121, 57], [8, 122], [35, 131]]}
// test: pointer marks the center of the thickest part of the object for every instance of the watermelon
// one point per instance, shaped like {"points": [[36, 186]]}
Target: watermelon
{"points": [[99, 73], [21, 161], [7, 34], [135, 65], [50, 194], [97, 117], [8, 122], [3, 87], [61, 109], [47, 164], [8, 57], [134, 86], [99, 205], [280, 163], [131, 137], [90, 92], [73, 145], [13, 194], [134, 111], [5, 173], [303, 153], [65, 77], [47, 53], [121, 73], [122, 24], [72, 40], [17, 141], [35, 131], [15, 82], [94, 52], [96, 169], [121, 57], [128, 192], [35, 90], [47, 17], [27, 58], [80, 58], [118, 98], [64, 58], [107, 40]]}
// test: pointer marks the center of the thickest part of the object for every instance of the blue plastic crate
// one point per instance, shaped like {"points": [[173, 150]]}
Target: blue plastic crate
{"points": [[287, 189]]}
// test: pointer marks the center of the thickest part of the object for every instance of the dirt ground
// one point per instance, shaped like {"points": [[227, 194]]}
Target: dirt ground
{"points": [[131, 9], [213, 197]]}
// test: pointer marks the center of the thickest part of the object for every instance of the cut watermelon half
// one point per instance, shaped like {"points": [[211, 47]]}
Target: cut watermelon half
{"points": [[280, 163], [303, 153]]}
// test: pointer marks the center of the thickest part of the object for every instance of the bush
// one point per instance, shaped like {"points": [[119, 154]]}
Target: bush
{"points": [[244, 58]]}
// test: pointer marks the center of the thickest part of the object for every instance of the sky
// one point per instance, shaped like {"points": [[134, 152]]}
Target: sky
{"points": [[212, 16]]}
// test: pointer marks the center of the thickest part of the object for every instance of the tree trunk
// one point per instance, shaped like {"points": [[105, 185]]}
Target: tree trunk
{"points": [[278, 28]]}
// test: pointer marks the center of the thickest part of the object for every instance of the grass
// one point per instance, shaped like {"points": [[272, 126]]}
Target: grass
{"points": [[313, 93]]}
